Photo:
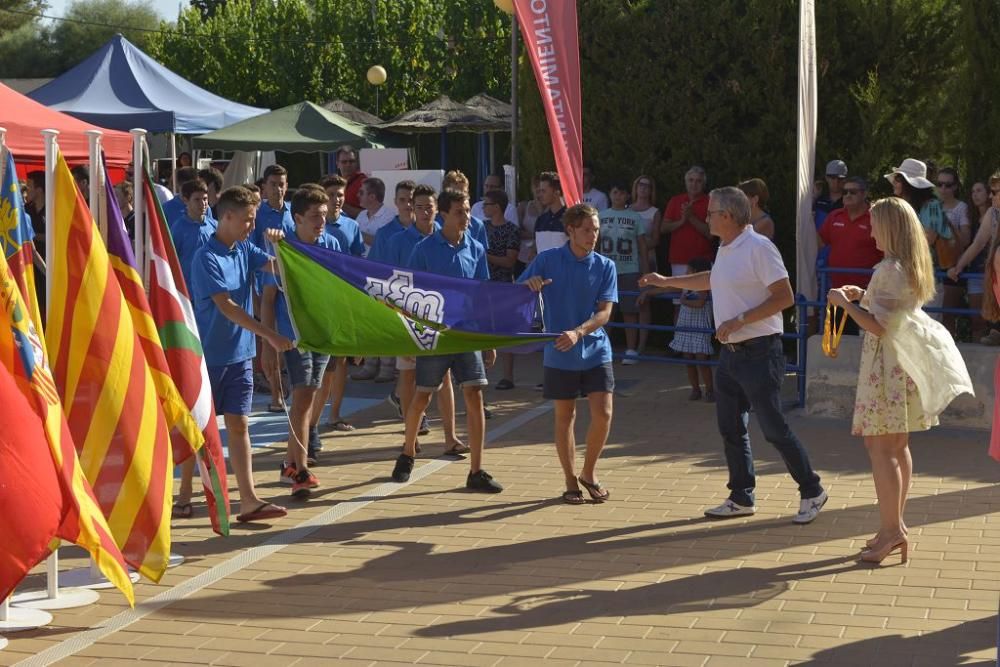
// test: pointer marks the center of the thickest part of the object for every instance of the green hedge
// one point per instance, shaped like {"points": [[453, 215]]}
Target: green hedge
{"points": [[670, 84]]}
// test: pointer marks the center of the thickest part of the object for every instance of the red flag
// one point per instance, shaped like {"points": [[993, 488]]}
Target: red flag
{"points": [[30, 493], [28, 510], [553, 45]]}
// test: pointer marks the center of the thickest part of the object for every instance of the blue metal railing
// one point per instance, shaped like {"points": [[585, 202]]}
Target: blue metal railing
{"points": [[800, 335]]}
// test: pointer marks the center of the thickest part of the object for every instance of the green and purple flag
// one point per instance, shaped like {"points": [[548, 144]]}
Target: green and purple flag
{"points": [[347, 306]]}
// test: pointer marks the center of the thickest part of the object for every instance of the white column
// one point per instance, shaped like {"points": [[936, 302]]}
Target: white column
{"points": [[3, 151], [139, 200], [96, 180], [173, 163], [51, 149]]}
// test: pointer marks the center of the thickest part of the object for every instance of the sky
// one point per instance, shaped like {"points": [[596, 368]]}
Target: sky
{"points": [[167, 9]]}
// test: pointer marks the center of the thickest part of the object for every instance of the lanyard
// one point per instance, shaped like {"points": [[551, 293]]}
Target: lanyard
{"points": [[831, 338]]}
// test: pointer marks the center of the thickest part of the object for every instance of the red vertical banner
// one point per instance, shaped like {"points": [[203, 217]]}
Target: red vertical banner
{"points": [[552, 41]]}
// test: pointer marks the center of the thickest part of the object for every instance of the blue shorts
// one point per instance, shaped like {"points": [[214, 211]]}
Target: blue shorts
{"points": [[466, 369], [563, 385], [305, 368], [232, 387]]}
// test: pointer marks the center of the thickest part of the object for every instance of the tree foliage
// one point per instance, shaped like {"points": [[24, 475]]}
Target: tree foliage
{"points": [[15, 13], [93, 22], [247, 51], [40, 50]]}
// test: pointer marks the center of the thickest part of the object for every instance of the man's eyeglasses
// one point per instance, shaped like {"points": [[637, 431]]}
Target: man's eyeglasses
{"points": [[851, 191], [946, 184]]}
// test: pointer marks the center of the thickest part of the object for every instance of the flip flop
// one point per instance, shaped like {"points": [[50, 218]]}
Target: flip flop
{"points": [[181, 511], [263, 512], [457, 450], [275, 407], [596, 491], [341, 425], [573, 497]]}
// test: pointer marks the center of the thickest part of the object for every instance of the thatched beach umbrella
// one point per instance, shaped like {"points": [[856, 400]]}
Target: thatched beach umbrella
{"points": [[444, 115], [351, 112]]}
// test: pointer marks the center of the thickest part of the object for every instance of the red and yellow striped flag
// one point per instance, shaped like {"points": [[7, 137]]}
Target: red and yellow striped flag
{"points": [[23, 357], [188, 438], [106, 385]]}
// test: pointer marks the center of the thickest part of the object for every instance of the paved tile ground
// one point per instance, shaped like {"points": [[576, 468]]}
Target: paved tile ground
{"points": [[429, 574]]}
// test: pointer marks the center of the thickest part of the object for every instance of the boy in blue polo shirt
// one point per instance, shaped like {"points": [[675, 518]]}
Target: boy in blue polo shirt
{"points": [[273, 213], [190, 232], [579, 287], [341, 226], [398, 251], [192, 229], [348, 234], [403, 200], [222, 282], [305, 368], [451, 252]]}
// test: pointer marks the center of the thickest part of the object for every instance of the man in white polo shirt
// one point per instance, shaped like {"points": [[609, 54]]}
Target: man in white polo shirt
{"points": [[750, 288]]}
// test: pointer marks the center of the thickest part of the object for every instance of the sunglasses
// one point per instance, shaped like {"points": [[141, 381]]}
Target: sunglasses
{"points": [[946, 184], [851, 191]]}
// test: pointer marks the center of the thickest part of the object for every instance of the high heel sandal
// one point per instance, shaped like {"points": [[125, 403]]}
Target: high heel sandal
{"points": [[872, 541], [878, 555]]}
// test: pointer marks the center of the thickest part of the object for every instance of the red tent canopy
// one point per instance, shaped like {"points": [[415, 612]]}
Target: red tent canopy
{"points": [[25, 118]]}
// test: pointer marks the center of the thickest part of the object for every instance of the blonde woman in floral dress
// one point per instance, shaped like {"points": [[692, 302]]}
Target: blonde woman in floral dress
{"points": [[910, 368]]}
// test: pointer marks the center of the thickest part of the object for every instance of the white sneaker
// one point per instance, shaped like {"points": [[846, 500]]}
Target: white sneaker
{"points": [[730, 509], [630, 358], [810, 507]]}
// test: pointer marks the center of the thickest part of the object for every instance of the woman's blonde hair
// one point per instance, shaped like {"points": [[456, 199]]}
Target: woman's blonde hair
{"points": [[898, 231]]}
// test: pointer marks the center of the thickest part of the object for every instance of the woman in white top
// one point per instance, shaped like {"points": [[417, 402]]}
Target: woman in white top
{"points": [[974, 257], [643, 196], [910, 368], [957, 213]]}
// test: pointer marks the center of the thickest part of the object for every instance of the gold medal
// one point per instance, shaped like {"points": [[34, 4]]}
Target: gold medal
{"points": [[831, 337]]}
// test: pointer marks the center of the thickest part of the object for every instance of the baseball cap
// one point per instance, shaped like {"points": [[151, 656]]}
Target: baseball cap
{"points": [[836, 168]]}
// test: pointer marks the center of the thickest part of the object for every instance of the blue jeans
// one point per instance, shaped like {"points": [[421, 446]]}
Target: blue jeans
{"points": [[751, 376]]}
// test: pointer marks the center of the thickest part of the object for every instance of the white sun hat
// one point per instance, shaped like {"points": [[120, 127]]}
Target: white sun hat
{"points": [[914, 171]]}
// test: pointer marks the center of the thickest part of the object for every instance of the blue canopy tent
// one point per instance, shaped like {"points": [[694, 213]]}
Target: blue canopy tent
{"points": [[120, 87]]}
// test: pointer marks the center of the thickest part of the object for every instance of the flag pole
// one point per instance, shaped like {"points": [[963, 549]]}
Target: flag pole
{"points": [[96, 181], [13, 619], [3, 152], [54, 597], [51, 147], [138, 205]]}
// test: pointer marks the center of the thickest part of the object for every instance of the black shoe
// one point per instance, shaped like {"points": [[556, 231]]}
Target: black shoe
{"points": [[404, 466], [482, 481]]}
